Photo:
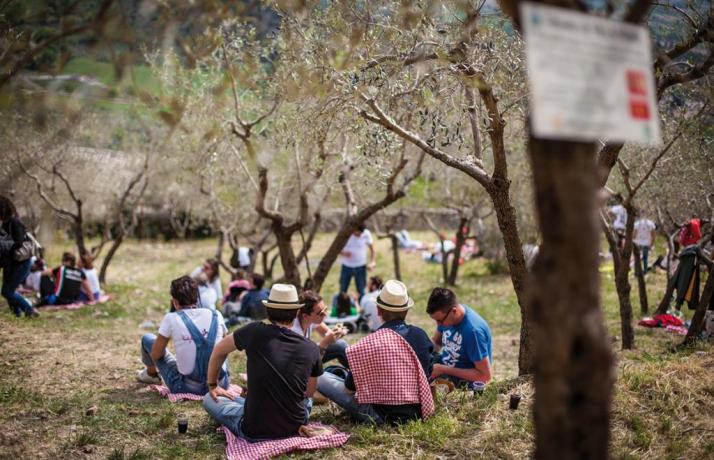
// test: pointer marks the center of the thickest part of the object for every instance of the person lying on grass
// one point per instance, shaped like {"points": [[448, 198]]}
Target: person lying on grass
{"points": [[387, 381], [64, 284], [464, 340], [283, 367], [311, 317], [194, 332]]}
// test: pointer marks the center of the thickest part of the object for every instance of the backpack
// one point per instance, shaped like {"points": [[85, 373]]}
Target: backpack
{"points": [[30, 247]]}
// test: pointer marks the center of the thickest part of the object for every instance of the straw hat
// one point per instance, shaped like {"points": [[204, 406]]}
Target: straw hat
{"points": [[283, 297], [394, 297]]}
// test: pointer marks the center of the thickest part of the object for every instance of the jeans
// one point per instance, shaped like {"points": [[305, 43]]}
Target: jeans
{"points": [[168, 369], [333, 387], [644, 253], [338, 351], [360, 276], [14, 274], [229, 413]]}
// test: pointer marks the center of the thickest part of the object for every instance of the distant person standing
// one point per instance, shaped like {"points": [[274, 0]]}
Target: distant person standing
{"points": [[618, 213], [14, 271], [691, 232], [644, 239], [354, 260]]}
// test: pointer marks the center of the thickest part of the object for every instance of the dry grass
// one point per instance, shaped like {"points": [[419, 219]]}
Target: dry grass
{"points": [[52, 369]]}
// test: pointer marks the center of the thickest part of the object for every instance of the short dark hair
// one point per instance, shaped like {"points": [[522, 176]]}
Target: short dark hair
{"points": [[69, 258], [441, 299], [278, 315], [344, 304], [215, 267], [185, 291], [7, 209], [361, 227], [87, 261], [309, 299], [376, 281], [392, 315], [258, 280]]}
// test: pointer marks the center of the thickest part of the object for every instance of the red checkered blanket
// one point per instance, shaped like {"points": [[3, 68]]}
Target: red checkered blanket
{"points": [[74, 306], [240, 449], [175, 397], [387, 371]]}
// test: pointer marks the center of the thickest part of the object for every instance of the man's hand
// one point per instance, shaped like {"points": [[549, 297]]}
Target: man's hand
{"points": [[438, 369], [329, 338], [218, 391], [371, 265]]}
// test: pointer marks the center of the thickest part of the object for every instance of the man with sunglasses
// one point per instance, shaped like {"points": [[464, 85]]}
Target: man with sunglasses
{"points": [[464, 339]]}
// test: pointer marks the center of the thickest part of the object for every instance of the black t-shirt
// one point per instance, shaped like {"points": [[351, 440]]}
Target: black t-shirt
{"points": [[279, 365], [68, 283]]}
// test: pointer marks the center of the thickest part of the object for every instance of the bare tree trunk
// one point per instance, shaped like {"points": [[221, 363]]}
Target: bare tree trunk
{"points": [[395, 256], [460, 240], [697, 324], [219, 247], [110, 255], [291, 271], [641, 285], [332, 253], [78, 229], [573, 358], [507, 224]]}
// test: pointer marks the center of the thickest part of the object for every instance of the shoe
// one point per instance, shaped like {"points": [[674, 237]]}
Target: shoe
{"points": [[144, 377], [33, 313]]}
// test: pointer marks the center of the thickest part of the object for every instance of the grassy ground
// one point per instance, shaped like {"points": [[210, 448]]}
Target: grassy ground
{"points": [[53, 368]]}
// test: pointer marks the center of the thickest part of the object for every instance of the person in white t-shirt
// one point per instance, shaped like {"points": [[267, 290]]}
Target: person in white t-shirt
{"points": [[211, 268], [368, 304], [618, 214], [194, 332], [311, 317], [86, 263], [644, 237], [354, 260]]}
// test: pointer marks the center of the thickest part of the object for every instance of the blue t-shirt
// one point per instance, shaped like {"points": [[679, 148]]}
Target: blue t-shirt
{"points": [[467, 342]]}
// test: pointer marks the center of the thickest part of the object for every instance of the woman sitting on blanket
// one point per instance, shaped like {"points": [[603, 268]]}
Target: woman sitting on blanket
{"points": [[194, 331], [86, 263]]}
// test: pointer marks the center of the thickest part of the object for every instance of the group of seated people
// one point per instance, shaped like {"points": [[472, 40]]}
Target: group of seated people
{"points": [[68, 283], [380, 378]]}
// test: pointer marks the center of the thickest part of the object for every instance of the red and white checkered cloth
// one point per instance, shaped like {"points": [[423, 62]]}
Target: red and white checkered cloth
{"points": [[387, 371], [240, 449], [175, 397]]}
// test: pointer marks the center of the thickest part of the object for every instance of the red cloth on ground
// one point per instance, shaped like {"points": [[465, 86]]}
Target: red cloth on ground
{"points": [[387, 371], [661, 321], [240, 449], [176, 397]]}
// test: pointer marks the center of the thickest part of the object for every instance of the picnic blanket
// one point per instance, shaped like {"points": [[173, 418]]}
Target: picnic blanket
{"points": [[240, 449], [74, 306], [175, 397], [661, 321]]}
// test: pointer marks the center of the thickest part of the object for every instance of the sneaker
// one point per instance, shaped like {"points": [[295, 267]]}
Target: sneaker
{"points": [[33, 313], [144, 377]]}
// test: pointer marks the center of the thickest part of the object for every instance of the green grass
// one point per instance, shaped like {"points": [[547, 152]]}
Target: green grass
{"points": [[54, 367]]}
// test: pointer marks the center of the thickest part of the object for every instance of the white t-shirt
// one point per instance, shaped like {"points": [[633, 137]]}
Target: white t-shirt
{"points": [[243, 256], [173, 328], [369, 307], [93, 279], [620, 219], [357, 246], [215, 284], [33, 281], [298, 329], [207, 296], [643, 232]]}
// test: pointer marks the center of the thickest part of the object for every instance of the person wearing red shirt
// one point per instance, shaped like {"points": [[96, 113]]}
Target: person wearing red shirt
{"points": [[691, 232]]}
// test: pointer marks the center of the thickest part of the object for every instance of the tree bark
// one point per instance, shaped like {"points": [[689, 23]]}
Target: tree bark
{"points": [[110, 255], [506, 218], [460, 240], [573, 358], [641, 285], [395, 256], [697, 324], [291, 271]]}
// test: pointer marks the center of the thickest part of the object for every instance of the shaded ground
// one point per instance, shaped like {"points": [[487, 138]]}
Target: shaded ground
{"points": [[54, 368]]}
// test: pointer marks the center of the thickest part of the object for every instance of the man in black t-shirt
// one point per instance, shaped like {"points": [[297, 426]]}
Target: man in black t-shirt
{"points": [[282, 371], [63, 284]]}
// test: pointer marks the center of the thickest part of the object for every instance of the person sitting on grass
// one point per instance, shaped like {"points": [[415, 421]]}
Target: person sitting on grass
{"points": [[86, 263], [251, 305], [368, 304], [343, 305], [64, 284], [464, 339], [194, 332], [282, 367], [311, 318], [387, 381]]}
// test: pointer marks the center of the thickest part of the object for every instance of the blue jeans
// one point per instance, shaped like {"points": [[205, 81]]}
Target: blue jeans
{"points": [[229, 413], [338, 351], [333, 387], [168, 369], [644, 254], [14, 274], [360, 276]]}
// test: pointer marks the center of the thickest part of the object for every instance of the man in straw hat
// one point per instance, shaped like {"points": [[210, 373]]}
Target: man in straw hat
{"points": [[464, 338], [387, 381], [283, 367]]}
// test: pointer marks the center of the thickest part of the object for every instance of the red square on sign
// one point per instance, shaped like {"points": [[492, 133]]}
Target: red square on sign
{"points": [[637, 82], [639, 110]]}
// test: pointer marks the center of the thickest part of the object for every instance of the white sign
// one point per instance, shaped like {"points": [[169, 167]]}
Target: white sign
{"points": [[590, 78]]}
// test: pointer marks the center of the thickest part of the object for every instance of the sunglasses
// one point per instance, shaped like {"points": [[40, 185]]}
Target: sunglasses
{"points": [[441, 321]]}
